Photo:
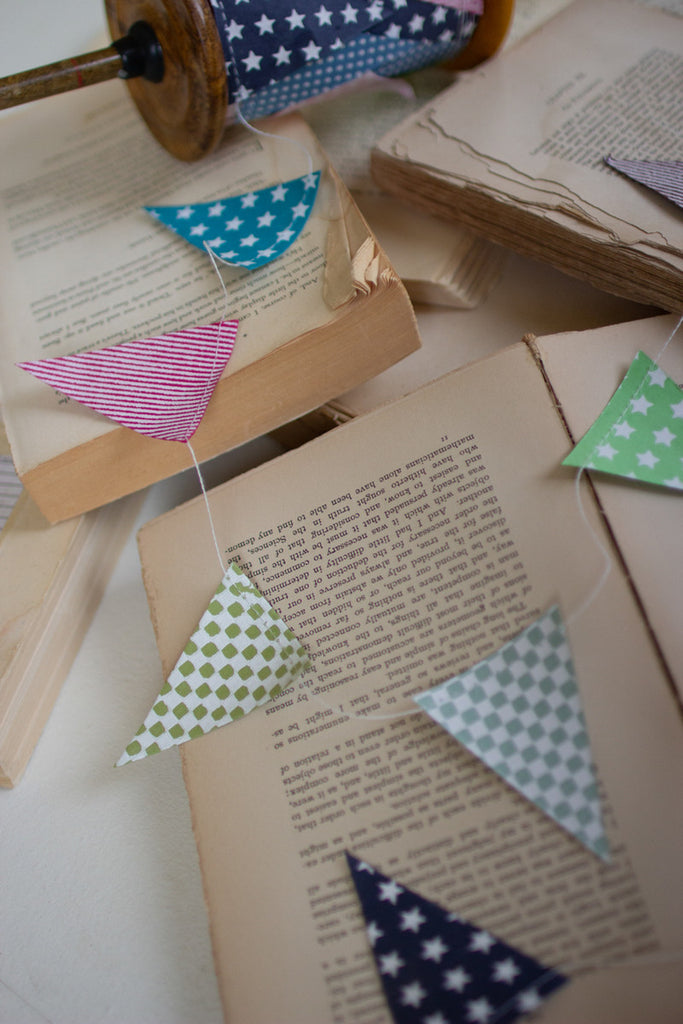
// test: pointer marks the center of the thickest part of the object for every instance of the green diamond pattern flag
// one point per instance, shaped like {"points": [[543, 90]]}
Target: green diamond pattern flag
{"points": [[520, 711], [639, 434], [240, 656]]}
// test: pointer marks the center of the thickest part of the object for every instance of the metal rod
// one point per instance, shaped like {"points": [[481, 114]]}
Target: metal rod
{"points": [[62, 76]]}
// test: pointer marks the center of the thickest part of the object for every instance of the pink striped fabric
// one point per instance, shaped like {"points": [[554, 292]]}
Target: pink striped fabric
{"points": [[664, 176], [159, 386]]}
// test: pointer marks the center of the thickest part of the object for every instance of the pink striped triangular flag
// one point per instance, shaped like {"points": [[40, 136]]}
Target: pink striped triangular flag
{"points": [[157, 386], [664, 176]]}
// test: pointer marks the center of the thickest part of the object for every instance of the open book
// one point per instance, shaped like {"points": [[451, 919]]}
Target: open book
{"points": [[516, 150], [53, 579], [85, 266], [408, 544]]}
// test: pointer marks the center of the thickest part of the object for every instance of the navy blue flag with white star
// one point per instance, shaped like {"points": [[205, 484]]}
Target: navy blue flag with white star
{"points": [[265, 41], [437, 968], [246, 230]]}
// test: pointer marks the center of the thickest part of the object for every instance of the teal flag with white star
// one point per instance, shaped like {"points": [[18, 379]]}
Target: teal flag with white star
{"points": [[639, 434], [247, 230]]}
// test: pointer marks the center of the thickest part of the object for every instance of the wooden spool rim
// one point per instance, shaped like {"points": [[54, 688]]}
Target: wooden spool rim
{"points": [[186, 111], [487, 37]]}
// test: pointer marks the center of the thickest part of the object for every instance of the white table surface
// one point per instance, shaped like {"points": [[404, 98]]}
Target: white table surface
{"points": [[101, 910]]}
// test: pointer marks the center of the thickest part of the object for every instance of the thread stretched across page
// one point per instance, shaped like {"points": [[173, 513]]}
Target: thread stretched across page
{"points": [[607, 557], [200, 476], [470, 14]]}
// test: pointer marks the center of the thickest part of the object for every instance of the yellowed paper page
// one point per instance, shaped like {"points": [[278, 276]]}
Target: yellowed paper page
{"points": [[602, 70], [439, 263], [516, 149], [402, 547], [530, 296]]}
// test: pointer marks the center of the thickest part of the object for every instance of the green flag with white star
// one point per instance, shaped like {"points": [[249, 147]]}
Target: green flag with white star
{"points": [[639, 434], [240, 656]]}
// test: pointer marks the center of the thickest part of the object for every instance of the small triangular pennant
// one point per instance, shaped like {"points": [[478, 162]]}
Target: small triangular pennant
{"points": [[639, 434], [159, 386], [520, 712], [436, 968], [240, 656], [247, 230], [663, 176]]}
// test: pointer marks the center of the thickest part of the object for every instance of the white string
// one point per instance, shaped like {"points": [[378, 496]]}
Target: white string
{"points": [[258, 131], [272, 135], [208, 509], [214, 257], [191, 449], [365, 718], [607, 568]]}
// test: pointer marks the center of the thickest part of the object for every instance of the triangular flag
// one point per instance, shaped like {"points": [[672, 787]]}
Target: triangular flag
{"points": [[240, 656], [436, 968], [246, 230], [519, 710], [159, 386], [639, 434], [663, 176]]}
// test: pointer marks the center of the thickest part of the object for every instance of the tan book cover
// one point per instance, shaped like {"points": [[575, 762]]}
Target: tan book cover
{"points": [[85, 266], [406, 545], [516, 149]]}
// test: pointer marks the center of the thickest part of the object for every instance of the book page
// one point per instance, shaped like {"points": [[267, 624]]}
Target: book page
{"points": [[402, 547], [594, 80], [438, 263], [528, 15], [585, 369], [85, 266]]}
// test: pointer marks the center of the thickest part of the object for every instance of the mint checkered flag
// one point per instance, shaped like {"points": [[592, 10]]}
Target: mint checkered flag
{"points": [[240, 656], [519, 711]]}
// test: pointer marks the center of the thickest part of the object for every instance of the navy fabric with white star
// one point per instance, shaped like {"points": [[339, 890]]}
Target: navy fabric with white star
{"points": [[247, 230], [437, 968], [264, 41]]}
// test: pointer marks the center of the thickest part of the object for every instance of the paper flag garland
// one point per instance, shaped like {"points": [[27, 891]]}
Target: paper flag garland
{"points": [[247, 230], [519, 710], [240, 656], [664, 176], [159, 386], [437, 968], [639, 434]]}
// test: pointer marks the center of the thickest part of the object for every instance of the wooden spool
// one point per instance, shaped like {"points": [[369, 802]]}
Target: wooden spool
{"points": [[186, 110], [170, 54]]}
